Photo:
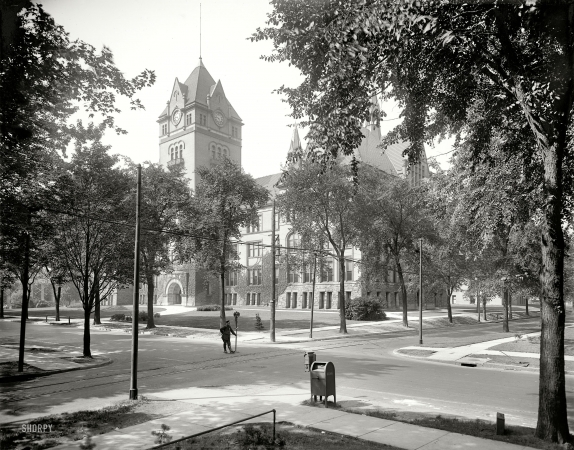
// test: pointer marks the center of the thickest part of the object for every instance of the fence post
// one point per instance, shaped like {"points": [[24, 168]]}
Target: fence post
{"points": [[273, 427]]}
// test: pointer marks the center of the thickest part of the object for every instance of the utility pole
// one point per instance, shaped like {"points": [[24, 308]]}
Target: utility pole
{"points": [[477, 299], [273, 275], [313, 294], [420, 291], [135, 314]]}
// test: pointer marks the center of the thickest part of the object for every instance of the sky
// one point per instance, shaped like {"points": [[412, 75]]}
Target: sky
{"points": [[165, 37]]}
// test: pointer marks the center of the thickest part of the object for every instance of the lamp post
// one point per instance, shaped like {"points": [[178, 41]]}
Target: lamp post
{"points": [[273, 275], [58, 296], [505, 328], [477, 299], [420, 291], [135, 313]]}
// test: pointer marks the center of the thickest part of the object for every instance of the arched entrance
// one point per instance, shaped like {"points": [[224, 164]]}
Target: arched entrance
{"points": [[174, 294]]}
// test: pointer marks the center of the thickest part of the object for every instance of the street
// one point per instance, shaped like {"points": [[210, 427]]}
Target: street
{"points": [[367, 372]]}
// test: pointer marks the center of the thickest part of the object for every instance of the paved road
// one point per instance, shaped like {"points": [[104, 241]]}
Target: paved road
{"points": [[367, 371]]}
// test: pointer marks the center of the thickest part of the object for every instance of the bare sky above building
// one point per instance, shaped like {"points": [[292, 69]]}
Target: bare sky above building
{"points": [[165, 37]]}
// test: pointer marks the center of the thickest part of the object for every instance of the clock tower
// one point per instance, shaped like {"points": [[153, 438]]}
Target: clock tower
{"points": [[198, 126]]}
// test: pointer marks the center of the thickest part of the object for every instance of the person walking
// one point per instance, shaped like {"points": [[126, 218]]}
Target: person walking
{"points": [[226, 337]]}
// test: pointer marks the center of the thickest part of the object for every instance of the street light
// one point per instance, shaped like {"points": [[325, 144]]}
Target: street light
{"points": [[477, 299], [505, 328]]}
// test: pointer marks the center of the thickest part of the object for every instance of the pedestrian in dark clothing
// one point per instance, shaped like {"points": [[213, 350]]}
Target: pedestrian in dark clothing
{"points": [[226, 336]]}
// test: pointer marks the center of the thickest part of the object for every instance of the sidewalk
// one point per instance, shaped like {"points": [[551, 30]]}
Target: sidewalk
{"points": [[463, 355], [214, 408]]}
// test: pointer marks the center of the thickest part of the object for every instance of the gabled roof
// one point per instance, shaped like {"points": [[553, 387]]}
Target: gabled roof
{"points": [[370, 153], [269, 182], [395, 154], [198, 85]]}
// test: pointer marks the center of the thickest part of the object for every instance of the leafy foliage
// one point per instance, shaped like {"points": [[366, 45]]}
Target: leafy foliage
{"points": [[365, 308]]}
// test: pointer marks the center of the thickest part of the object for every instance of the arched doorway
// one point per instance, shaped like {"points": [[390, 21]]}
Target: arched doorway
{"points": [[174, 294]]}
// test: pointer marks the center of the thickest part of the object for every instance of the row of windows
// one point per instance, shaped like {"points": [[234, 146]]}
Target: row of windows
{"points": [[254, 277], [202, 121], [253, 298], [175, 151], [218, 152]]}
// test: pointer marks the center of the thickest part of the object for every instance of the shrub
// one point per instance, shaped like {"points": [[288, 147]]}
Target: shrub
{"points": [[118, 317], [364, 308], [213, 308], [258, 323], [143, 316], [156, 315]]}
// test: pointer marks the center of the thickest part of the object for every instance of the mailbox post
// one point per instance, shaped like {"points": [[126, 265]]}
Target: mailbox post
{"points": [[310, 358], [323, 381]]}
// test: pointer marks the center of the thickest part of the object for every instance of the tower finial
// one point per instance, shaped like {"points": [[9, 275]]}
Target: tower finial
{"points": [[200, 31]]}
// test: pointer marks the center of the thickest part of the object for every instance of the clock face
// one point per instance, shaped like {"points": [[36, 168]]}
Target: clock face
{"points": [[219, 119], [176, 116]]}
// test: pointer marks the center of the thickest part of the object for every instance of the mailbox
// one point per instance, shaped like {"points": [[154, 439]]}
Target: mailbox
{"points": [[310, 358], [323, 381]]}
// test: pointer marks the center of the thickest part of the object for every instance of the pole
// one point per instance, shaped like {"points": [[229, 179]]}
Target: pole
{"points": [[273, 275], [135, 314], [420, 291], [313, 294], [478, 300]]}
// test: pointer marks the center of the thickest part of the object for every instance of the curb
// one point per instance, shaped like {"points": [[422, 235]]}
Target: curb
{"points": [[29, 376]]}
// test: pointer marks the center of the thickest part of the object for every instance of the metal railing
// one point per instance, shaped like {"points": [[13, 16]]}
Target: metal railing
{"points": [[167, 444]]}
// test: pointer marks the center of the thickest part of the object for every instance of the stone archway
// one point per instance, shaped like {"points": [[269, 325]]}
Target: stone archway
{"points": [[174, 294]]}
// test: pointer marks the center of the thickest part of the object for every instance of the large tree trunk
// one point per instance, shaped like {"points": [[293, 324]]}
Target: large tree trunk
{"points": [[552, 413], [87, 310], [448, 305], [150, 294], [505, 328], [97, 320], [342, 318], [1, 302], [403, 292], [25, 295], [222, 297], [57, 300]]}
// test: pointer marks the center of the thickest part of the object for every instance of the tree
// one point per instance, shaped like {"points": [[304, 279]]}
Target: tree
{"points": [[225, 200], [96, 248], [165, 197], [319, 204], [44, 79], [521, 53], [391, 213]]}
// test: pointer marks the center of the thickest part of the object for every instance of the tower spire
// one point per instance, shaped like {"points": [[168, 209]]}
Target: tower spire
{"points": [[200, 31]]}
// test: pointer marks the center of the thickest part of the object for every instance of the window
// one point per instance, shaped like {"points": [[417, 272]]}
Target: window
{"points": [[304, 303], [321, 300], [259, 298], [327, 270], [329, 300], [188, 119], [164, 129], [254, 277], [218, 152], [348, 296], [349, 270], [397, 302], [225, 153], [248, 301], [231, 278], [387, 295], [254, 250], [234, 132], [256, 226], [202, 119], [293, 275], [288, 300], [293, 241], [294, 300], [235, 299], [311, 299], [208, 288], [307, 275]]}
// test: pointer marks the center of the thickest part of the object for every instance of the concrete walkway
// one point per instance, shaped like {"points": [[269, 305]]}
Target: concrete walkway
{"points": [[213, 408], [461, 354]]}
